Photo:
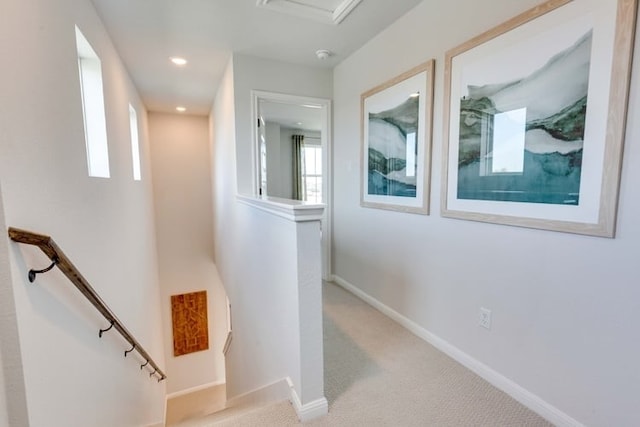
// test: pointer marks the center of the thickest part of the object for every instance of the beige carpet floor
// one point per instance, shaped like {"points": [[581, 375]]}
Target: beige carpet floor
{"points": [[379, 374]]}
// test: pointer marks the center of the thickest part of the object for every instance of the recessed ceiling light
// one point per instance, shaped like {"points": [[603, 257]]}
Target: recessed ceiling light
{"points": [[178, 61], [181, 109], [415, 95]]}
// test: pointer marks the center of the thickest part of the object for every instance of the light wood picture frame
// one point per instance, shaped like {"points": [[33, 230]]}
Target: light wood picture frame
{"points": [[396, 129], [535, 117]]}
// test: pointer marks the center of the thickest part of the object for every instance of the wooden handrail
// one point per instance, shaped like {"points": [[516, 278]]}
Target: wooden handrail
{"points": [[59, 259]]}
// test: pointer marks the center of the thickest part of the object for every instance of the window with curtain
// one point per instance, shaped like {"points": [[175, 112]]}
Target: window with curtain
{"points": [[307, 170]]}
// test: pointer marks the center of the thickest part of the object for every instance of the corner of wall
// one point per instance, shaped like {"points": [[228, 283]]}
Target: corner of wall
{"points": [[13, 400]]}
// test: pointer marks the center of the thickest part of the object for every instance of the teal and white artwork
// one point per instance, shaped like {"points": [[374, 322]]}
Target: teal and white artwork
{"points": [[396, 139], [535, 110], [521, 140], [393, 149]]}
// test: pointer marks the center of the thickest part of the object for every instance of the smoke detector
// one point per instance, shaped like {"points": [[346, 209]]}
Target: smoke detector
{"points": [[323, 54]]}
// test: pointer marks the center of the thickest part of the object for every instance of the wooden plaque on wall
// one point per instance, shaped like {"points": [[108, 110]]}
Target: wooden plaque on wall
{"points": [[190, 325]]}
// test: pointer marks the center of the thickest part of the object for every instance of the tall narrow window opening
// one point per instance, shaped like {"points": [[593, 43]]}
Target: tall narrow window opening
{"points": [[135, 145], [95, 126]]}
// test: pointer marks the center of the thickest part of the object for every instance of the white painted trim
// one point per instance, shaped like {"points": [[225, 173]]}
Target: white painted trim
{"points": [[317, 14], [194, 389], [528, 399], [273, 392], [164, 412], [343, 10], [309, 411], [227, 343], [327, 189], [293, 210]]}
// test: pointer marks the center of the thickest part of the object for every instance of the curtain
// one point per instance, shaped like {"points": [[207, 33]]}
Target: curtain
{"points": [[298, 167]]}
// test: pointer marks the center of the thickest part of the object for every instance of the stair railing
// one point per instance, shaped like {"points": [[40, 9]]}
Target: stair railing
{"points": [[60, 260]]}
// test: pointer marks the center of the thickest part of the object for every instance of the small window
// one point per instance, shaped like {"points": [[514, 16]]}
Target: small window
{"points": [[95, 126], [312, 173], [135, 145]]}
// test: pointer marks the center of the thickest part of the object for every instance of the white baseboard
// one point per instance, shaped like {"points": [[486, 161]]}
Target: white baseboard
{"points": [[193, 389], [329, 278], [274, 392], [309, 411], [528, 399]]}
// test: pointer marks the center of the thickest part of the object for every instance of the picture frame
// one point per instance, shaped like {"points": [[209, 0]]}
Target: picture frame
{"points": [[189, 323], [535, 117], [396, 129]]}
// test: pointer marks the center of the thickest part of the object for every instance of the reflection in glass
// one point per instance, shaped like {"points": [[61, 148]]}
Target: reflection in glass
{"points": [[312, 173], [508, 141], [503, 142], [263, 163], [411, 154]]}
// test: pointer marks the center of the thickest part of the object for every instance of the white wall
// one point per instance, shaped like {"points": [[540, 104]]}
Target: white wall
{"points": [[13, 408], [223, 175], [564, 306], [106, 226], [4, 411], [286, 162], [253, 248], [8, 306], [184, 226], [274, 165]]}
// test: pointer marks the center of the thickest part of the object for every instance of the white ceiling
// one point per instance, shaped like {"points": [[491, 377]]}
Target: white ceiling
{"points": [[291, 116], [206, 32]]}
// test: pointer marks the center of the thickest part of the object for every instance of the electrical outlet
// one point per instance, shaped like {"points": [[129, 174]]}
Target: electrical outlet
{"points": [[485, 318]]}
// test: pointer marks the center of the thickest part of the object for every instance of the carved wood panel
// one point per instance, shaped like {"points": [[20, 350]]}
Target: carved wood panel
{"points": [[190, 325]]}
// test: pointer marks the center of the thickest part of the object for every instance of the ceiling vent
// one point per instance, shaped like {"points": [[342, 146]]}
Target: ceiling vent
{"points": [[325, 11]]}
